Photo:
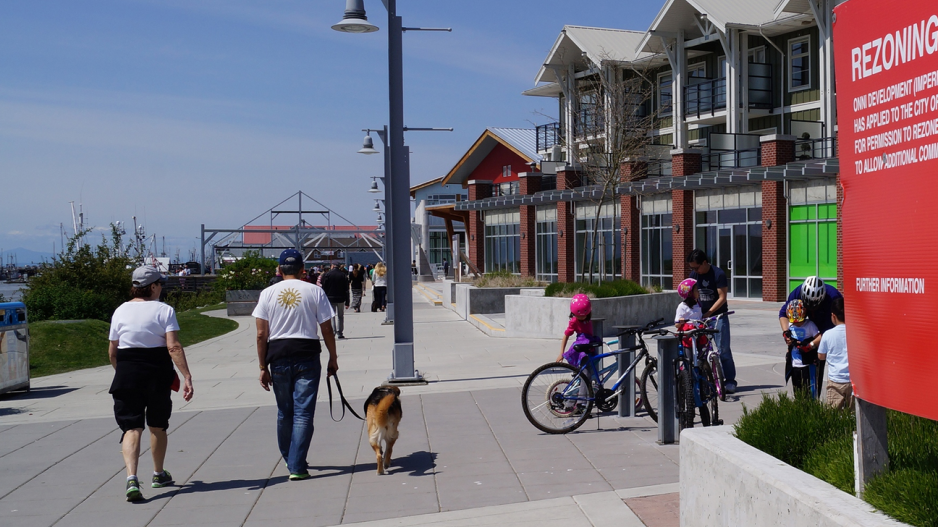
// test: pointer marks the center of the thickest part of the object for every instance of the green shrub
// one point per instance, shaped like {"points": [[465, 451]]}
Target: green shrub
{"points": [[84, 282], [603, 290], [250, 272], [791, 429], [186, 300], [833, 463], [506, 279], [907, 495]]}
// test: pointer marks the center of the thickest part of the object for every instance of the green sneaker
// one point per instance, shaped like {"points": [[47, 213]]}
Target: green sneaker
{"points": [[133, 490], [163, 479], [299, 477]]}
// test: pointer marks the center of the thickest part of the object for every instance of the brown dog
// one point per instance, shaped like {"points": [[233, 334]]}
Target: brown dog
{"points": [[383, 413]]}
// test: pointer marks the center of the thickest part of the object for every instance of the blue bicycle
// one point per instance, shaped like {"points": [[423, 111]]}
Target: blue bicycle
{"points": [[557, 397]]}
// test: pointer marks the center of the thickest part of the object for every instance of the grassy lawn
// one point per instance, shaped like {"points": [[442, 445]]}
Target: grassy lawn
{"points": [[57, 347]]}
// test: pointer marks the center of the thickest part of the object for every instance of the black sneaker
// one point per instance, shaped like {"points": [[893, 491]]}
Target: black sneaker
{"points": [[133, 490], [341, 336], [163, 479]]}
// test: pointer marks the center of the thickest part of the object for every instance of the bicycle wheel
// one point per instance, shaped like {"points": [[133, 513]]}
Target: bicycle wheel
{"points": [[685, 398], [649, 389], [552, 400], [716, 368]]}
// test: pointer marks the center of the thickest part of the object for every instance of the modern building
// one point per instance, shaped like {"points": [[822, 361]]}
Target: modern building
{"points": [[731, 110], [435, 220]]}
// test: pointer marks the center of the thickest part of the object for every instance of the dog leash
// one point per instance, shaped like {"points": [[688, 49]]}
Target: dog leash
{"points": [[344, 402]]}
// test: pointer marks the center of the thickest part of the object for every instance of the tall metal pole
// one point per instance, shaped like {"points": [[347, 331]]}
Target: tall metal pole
{"points": [[388, 234], [403, 363], [202, 261]]}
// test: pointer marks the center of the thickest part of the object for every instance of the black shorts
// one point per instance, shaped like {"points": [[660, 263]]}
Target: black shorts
{"points": [[151, 404]]}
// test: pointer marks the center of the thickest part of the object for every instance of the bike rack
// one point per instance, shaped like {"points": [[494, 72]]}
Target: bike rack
{"points": [[668, 426], [627, 390]]}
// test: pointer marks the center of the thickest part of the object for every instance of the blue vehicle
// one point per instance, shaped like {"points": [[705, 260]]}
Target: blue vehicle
{"points": [[14, 347]]}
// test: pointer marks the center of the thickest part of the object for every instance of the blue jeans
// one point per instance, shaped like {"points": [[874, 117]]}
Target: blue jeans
{"points": [[296, 383], [723, 345]]}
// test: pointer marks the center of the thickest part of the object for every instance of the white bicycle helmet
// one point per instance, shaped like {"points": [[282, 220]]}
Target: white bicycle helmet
{"points": [[813, 291]]}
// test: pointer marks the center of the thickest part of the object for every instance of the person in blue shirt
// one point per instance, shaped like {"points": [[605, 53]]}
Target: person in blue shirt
{"points": [[713, 287], [834, 348], [818, 298]]}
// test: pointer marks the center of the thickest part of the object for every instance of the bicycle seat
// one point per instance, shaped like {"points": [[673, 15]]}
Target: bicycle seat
{"points": [[584, 348]]}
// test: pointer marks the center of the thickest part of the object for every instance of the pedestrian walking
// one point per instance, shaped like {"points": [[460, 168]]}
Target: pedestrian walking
{"points": [[380, 280], [445, 268], [713, 287], [289, 316], [356, 280], [336, 285], [144, 345]]}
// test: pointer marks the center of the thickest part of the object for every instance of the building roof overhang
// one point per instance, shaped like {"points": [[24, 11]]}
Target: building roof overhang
{"points": [[589, 47], [483, 146], [415, 188], [690, 17]]}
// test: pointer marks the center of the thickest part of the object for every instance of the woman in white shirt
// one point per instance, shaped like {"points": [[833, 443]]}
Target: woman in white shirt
{"points": [[381, 285], [144, 345]]}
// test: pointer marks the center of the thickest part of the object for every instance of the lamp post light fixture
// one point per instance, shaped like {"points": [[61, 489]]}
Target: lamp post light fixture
{"points": [[368, 146], [377, 207], [374, 186], [397, 185]]}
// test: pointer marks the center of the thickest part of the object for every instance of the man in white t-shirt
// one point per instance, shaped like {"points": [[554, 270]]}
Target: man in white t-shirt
{"points": [[288, 314]]}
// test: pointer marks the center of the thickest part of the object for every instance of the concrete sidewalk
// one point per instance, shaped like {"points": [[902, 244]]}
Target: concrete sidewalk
{"points": [[466, 456]]}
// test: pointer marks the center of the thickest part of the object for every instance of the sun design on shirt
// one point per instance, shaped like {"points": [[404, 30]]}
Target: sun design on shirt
{"points": [[289, 298]]}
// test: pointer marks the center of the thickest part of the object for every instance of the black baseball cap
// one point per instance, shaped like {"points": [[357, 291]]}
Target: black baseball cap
{"points": [[291, 257]]}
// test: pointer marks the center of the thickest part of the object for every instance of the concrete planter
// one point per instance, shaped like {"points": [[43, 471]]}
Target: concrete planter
{"points": [[242, 303], [547, 317], [727, 482], [466, 299]]}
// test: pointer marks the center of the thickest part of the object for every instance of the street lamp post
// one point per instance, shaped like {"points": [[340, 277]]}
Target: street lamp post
{"points": [[368, 148], [398, 214]]}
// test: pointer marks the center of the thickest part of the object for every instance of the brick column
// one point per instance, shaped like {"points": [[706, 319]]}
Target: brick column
{"points": [[567, 178], [684, 162], [777, 149], [630, 226], [774, 241], [530, 182], [682, 232], [478, 190]]}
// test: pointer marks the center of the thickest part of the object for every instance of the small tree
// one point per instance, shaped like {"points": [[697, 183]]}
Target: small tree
{"points": [[83, 282], [250, 272], [612, 125]]}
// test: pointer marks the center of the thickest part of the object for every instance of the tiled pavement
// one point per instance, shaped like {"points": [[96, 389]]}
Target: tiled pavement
{"points": [[467, 455]]}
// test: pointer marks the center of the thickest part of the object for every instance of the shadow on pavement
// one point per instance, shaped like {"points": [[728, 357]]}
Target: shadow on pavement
{"points": [[11, 411], [420, 463], [47, 392]]}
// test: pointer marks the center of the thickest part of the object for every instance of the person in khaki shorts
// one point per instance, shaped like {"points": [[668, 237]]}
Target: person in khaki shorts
{"points": [[833, 347]]}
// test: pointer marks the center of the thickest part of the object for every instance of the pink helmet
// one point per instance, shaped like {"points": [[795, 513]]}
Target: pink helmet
{"points": [[580, 305], [686, 287]]}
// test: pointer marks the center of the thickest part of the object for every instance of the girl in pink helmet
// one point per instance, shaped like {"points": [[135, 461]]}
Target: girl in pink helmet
{"points": [[689, 308], [581, 311]]}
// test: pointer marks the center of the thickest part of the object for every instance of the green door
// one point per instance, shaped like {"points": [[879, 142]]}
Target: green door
{"points": [[812, 235]]}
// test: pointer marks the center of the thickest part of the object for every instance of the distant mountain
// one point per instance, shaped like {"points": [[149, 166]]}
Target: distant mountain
{"points": [[25, 256]]}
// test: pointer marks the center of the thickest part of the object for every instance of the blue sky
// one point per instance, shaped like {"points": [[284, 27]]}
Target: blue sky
{"points": [[186, 112]]}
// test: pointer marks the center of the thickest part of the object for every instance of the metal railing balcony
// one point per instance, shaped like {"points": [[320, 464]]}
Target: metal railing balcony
{"points": [[707, 97], [819, 148], [589, 122], [547, 135], [732, 151]]}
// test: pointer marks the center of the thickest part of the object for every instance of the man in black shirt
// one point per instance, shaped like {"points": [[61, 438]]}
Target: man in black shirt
{"points": [[713, 286], [335, 284]]}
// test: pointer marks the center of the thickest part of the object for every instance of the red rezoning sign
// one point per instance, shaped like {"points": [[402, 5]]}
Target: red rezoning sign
{"points": [[886, 57]]}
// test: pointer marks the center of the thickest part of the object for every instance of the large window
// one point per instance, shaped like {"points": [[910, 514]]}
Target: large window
{"points": [[503, 241], [606, 259], [657, 262], [440, 246], [799, 64], [729, 229], [665, 87], [545, 265], [812, 231]]}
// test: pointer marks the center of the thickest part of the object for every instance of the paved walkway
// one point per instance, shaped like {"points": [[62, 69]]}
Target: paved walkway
{"points": [[466, 456]]}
